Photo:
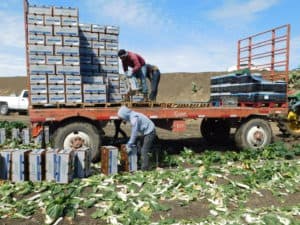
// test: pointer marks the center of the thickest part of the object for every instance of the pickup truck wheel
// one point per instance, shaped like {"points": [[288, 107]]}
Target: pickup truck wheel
{"points": [[4, 109], [215, 130], [89, 133], [254, 134]]}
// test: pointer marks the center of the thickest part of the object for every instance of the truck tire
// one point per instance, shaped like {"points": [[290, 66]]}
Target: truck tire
{"points": [[3, 109], [215, 130], [254, 134], [62, 137]]}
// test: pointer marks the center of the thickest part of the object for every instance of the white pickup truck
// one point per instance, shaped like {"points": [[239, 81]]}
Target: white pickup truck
{"points": [[14, 103]]}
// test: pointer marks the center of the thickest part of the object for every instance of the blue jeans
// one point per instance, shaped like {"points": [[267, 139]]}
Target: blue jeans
{"points": [[141, 74], [154, 84]]}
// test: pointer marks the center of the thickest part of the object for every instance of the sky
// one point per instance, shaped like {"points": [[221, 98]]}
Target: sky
{"points": [[175, 35]]}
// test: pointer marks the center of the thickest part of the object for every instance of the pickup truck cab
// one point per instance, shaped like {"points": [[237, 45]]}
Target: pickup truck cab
{"points": [[14, 103]]}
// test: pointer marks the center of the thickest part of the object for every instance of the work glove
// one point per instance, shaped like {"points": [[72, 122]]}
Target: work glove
{"points": [[128, 148], [128, 73]]}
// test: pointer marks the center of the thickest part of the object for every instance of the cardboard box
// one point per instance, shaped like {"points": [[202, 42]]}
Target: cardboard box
{"points": [[89, 51], [67, 70], [89, 68], [94, 98], [6, 164], [56, 88], [109, 160], [38, 99], [109, 68], [66, 31], [65, 166], [69, 21], [111, 45], [56, 79], [94, 88], [63, 11], [128, 161], [54, 60], [38, 79], [115, 97], [72, 79], [52, 20], [38, 89], [41, 69], [98, 28], [88, 36], [2, 136], [35, 19], [37, 165], [111, 61], [41, 10], [53, 40], [85, 43], [74, 98], [98, 44], [67, 50], [93, 79], [71, 60], [51, 164], [108, 37], [71, 41], [37, 59], [83, 160], [39, 29], [36, 39], [20, 165], [15, 134], [110, 53], [98, 60], [40, 50], [73, 89], [57, 98], [85, 59], [112, 30], [85, 27]]}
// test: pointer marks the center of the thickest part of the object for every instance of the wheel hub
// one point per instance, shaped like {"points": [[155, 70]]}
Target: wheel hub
{"points": [[256, 137]]}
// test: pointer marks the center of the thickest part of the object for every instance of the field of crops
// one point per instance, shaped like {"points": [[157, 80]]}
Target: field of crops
{"points": [[213, 187]]}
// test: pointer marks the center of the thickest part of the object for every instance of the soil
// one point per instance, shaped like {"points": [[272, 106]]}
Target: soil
{"points": [[172, 88]]}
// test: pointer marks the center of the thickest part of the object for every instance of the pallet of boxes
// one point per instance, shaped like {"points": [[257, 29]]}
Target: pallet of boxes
{"points": [[72, 63]]}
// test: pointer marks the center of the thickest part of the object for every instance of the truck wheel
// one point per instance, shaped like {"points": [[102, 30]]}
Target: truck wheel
{"points": [[4, 109], [63, 135], [254, 134], [215, 130]]}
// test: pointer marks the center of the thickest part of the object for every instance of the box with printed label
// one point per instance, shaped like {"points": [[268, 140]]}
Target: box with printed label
{"points": [[25, 136], [51, 164], [128, 160], [74, 98], [56, 89], [112, 76], [67, 70], [63, 11], [99, 44], [110, 53], [52, 20], [65, 166], [111, 60], [57, 98], [112, 30], [56, 79], [20, 165], [35, 19], [94, 98], [88, 36], [71, 41], [38, 99], [85, 60], [89, 51], [37, 165], [111, 45], [93, 79], [53, 40], [73, 89], [42, 69], [86, 43], [85, 27], [72, 79], [66, 31], [65, 50], [39, 29], [94, 88], [52, 60], [83, 160], [72, 60], [36, 39], [109, 68], [42, 10], [2, 136], [109, 160], [69, 21], [89, 68], [108, 37], [98, 60], [6, 164], [37, 59], [115, 97], [98, 28], [38, 89], [38, 79], [40, 50]]}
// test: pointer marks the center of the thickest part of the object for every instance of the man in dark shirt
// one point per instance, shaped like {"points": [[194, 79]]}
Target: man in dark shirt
{"points": [[153, 74], [138, 65]]}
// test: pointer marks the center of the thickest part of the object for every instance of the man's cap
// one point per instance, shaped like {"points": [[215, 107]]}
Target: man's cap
{"points": [[122, 52]]}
